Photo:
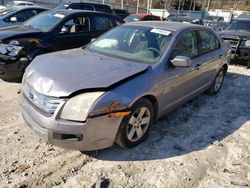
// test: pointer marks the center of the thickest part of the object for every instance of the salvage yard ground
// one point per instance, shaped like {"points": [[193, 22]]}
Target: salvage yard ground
{"points": [[204, 143]]}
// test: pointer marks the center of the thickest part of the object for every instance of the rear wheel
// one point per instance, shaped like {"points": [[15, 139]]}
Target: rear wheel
{"points": [[217, 83], [135, 127]]}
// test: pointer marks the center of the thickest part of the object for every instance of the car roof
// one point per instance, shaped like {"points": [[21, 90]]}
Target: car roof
{"points": [[67, 12], [27, 7], [84, 3], [243, 17], [172, 26]]}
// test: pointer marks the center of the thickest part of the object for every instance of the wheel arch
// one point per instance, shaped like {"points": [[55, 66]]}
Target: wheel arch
{"points": [[154, 102], [225, 68]]}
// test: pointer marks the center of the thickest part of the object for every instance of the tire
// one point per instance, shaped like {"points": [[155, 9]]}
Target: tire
{"points": [[217, 83], [133, 130]]}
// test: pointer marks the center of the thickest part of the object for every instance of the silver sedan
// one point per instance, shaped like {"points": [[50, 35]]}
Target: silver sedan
{"points": [[112, 90]]}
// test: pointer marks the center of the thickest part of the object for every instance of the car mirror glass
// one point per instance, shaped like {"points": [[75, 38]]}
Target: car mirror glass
{"points": [[181, 61], [13, 19], [64, 30]]}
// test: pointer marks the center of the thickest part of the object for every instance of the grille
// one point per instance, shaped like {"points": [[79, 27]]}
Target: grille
{"points": [[234, 41], [43, 102]]}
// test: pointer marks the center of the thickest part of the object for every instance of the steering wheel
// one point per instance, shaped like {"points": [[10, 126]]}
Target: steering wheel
{"points": [[157, 52]]}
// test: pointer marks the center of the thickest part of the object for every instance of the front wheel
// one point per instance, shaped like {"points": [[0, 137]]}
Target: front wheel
{"points": [[135, 127], [217, 83]]}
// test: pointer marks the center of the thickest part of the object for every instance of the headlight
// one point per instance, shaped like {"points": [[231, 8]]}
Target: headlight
{"points": [[77, 108], [247, 43]]}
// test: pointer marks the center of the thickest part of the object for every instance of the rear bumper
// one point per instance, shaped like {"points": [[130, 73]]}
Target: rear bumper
{"points": [[96, 133]]}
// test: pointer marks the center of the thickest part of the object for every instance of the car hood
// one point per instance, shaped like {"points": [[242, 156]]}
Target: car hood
{"points": [[15, 31], [235, 33], [62, 73]]}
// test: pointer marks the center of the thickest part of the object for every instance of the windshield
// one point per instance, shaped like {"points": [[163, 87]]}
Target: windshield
{"points": [[239, 25], [44, 21], [132, 18], [6, 12], [142, 44]]}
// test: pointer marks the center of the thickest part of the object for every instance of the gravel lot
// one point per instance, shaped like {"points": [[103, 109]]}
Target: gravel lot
{"points": [[205, 143]]}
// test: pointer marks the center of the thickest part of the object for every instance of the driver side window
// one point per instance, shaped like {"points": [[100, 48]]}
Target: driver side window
{"points": [[76, 25], [186, 45]]}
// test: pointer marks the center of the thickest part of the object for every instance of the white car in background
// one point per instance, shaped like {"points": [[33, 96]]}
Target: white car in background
{"points": [[2, 8], [19, 3]]}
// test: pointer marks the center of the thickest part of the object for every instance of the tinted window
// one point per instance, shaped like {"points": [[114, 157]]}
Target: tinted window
{"points": [[208, 42], [186, 46], [44, 21], [24, 15], [147, 18], [239, 25], [76, 25], [102, 23], [81, 7], [103, 8], [155, 18]]}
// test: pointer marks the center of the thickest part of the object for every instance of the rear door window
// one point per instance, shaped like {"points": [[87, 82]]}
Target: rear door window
{"points": [[102, 23], [208, 42]]}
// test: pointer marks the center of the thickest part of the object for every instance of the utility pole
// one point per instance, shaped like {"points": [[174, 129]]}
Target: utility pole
{"points": [[148, 2], [121, 4], [179, 6], [235, 4], [190, 6], [208, 4], [137, 7]]}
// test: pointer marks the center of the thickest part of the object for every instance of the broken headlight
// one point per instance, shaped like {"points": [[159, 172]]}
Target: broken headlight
{"points": [[77, 108], [11, 49]]}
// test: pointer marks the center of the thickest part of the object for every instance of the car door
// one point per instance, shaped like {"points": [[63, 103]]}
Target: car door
{"points": [[210, 53], [180, 84], [74, 32]]}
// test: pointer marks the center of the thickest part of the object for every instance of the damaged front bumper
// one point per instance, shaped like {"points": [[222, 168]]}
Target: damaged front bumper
{"points": [[96, 133], [12, 68]]}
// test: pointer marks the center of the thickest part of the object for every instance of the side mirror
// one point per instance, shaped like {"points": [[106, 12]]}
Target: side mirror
{"points": [[181, 61], [13, 19], [64, 30], [93, 39]]}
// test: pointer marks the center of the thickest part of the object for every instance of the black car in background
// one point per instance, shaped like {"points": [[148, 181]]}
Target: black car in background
{"points": [[238, 35], [48, 32], [184, 19], [85, 6], [217, 23], [120, 13]]}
